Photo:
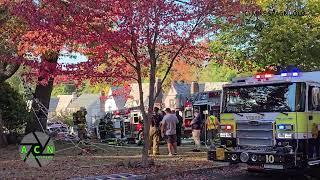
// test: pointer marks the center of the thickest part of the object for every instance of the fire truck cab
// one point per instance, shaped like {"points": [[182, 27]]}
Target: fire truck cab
{"points": [[270, 122]]}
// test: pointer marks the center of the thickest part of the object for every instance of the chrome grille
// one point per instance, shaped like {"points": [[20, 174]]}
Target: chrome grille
{"points": [[255, 133]]}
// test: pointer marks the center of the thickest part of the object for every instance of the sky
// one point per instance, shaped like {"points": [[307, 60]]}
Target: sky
{"points": [[72, 58]]}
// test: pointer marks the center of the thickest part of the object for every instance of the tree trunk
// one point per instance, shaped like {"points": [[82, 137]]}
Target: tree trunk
{"points": [[3, 138], [145, 155], [43, 94], [148, 116], [7, 70]]}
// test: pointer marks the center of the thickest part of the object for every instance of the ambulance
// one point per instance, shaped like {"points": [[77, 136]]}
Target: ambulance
{"points": [[270, 122]]}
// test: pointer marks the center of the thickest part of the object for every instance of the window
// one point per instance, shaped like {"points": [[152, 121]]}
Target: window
{"points": [[135, 118], [171, 103], [188, 114], [282, 97], [314, 98]]}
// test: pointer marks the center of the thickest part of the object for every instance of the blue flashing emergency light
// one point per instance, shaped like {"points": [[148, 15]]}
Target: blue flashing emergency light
{"points": [[295, 74], [282, 127]]}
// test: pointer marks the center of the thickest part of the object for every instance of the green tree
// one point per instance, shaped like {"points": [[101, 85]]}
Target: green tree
{"points": [[85, 88], [13, 109], [89, 88], [282, 33], [63, 89], [215, 72], [10, 28]]}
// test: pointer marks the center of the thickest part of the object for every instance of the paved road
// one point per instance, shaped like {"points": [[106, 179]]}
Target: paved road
{"points": [[239, 173]]}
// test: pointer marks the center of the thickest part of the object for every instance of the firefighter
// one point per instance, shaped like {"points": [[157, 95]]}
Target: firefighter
{"points": [[179, 126], [79, 118], [212, 126], [102, 129], [155, 132]]}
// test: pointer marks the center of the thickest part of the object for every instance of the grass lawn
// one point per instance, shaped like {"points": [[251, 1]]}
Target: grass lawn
{"points": [[104, 160]]}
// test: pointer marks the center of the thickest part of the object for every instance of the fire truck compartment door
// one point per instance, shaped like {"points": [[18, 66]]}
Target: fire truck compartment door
{"points": [[220, 154]]}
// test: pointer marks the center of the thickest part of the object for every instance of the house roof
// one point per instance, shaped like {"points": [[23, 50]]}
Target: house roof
{"points": [[181, 88], [64, 101], [211, 86], [85, 100], [59, 103], [133, 99]]}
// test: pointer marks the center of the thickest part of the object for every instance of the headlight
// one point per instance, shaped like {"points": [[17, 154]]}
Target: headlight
{"points": [[225, 135], [286, 127], [234, 157], [285, 135], [244, 157], [226, 127], [254, 158]]}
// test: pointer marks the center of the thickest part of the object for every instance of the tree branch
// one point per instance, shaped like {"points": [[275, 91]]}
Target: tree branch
{"points": [[133, 48], [125, 58], [115, 49], [177, 53]]}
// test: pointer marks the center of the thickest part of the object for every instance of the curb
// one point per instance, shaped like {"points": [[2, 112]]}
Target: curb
{"points": [[196, 170]]}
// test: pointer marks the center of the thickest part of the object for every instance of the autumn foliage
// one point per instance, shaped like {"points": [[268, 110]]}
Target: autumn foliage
{"points": [[115, 34], [124, 40]]}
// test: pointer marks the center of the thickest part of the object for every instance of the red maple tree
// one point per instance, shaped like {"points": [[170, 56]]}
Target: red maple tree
{"points": [[124, 40]]}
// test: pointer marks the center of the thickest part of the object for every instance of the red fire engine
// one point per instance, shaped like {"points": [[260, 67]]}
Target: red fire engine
{"points": [[204, 102], [187, 118]]}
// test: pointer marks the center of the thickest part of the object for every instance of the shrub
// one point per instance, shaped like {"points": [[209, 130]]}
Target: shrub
{"points": [[13, 109]]}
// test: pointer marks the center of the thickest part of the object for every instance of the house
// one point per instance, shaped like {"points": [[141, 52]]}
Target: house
{"points": [[127, 97], [59, 104], [133, 101], [116, 99], [211, 86], [177, 95], [92, 104], [180, 92]]}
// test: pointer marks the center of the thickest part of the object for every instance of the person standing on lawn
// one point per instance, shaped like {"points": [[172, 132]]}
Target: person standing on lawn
{"points": [[179, 126], [155, 132], [169, 128], [196, 130], [212, 127]]}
